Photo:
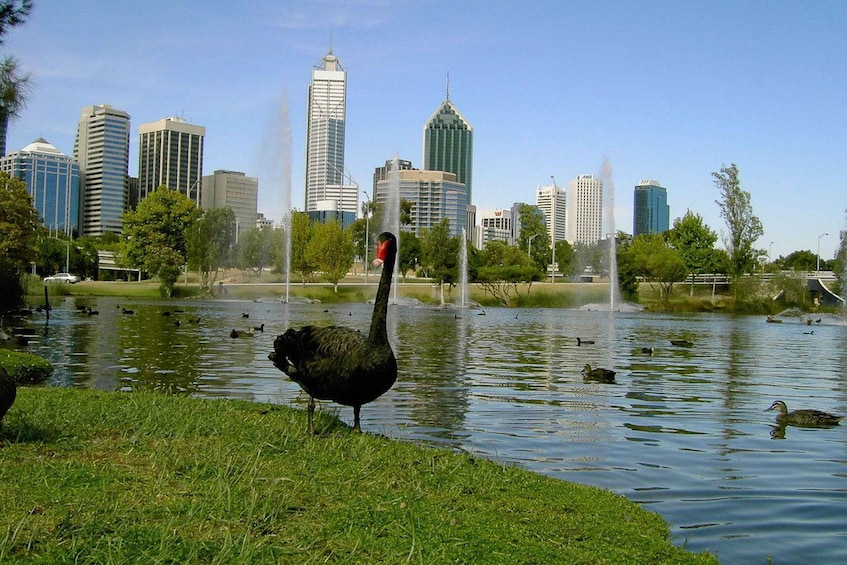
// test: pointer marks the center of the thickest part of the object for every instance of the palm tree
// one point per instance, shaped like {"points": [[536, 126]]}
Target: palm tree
{"points": [[15, 87]]}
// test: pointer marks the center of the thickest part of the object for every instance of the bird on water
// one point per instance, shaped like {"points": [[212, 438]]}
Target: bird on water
{"points": [[598, 374], [805, 417], [338, 363]]}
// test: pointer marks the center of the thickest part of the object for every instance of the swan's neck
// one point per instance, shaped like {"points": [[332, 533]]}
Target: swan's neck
{"points": [[379, 333]]}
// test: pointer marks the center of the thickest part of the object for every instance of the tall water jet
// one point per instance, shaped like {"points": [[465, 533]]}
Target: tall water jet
{"points": [[391, 215], [609, 222], [275, 170], [463, 271]]}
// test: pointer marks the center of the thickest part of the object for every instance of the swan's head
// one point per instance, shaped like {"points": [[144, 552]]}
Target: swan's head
{"points": [[386, 244]]}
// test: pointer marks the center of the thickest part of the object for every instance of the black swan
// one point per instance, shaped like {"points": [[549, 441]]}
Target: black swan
{"points": [[341, 364], [801, 418], [8, 391]]}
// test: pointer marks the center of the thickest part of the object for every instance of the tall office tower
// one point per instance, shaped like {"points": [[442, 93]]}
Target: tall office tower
{"points": [[551, 201], [171, 154], [381, 173], [52, 179], [651, 211], [325, 123], [235, 190], [448, 144], [584, 223], [434, 195], [101, 148]]}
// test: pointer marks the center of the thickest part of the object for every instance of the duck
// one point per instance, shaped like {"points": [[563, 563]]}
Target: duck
{"points": [[598, 374], [127, 311], [647, 350], [241, 333], [682, 343], [259, 328], [245, 314], [338, 363], [803, 418], [580, 341]]}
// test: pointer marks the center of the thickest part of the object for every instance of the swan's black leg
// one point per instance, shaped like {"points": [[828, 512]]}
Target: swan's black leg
{"points": [[311, 410], [356, 427]]}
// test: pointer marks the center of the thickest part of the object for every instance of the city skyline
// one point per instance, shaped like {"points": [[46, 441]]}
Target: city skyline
{"points": [[661, 90]]}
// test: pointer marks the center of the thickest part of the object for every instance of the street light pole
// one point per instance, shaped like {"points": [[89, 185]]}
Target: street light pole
{"points": [[367, 231], [553, 202], [529, 245], [819, 250]]}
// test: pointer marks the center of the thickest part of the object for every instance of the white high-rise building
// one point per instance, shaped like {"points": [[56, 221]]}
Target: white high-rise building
{"points": [[171, 154], [551, 201], [584, 222], [101, 148], [325, 126]]}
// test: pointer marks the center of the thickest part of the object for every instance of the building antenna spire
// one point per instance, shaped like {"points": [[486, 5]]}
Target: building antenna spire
{"points": [[448, 86], [330, 43]]}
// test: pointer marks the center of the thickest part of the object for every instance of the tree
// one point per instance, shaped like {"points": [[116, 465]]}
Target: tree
{"points": [[19, 228], [301, 233], [565, 256], [695, 241], [839, 264], [534, 229], [657, 262], [210, 242], [15, 87], [502, 268], [440, 254], [410, 253], [331, 249], [255, 249], [157, 235], [744, 228], [13, 13], [798, 261]]}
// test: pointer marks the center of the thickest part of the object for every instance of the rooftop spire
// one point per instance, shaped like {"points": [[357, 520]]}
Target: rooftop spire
{"points": [[330, 43], [448, 86]]}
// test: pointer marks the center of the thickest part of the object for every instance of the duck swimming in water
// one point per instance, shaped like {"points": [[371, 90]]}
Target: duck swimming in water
{"points": [[803, 418], [598, 374]]}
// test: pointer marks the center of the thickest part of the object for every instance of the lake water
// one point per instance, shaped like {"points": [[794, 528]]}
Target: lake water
{"points": [[682, 431]]}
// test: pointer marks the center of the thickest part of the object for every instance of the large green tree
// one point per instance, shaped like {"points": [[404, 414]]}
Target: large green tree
{"points": [[659, 263], [19, 228], [695, 242], [743, 227], [410, 253], [332, 250], [302, 229], [502, 268], [210, 241], [839, 264], [440, 254], [157, 235], [534, 230]]}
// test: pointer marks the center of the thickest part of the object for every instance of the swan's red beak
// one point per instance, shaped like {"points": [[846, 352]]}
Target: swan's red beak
{"points": [[381, 253]]}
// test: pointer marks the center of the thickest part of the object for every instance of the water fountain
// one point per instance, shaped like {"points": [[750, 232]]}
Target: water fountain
{"points": [[275, 171], [391, 215], [463, 271]]}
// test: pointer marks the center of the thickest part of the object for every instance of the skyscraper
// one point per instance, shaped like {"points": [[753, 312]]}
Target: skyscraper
{"points": [[234, 190], [651, 210], [584, 222], [551, 200], [325, 126], [434, 195], [52, 179], [102, 150], [171, 154], [448, 144]]}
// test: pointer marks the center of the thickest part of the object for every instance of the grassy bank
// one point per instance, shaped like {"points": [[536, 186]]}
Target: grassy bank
{"points": [[97, 477]]}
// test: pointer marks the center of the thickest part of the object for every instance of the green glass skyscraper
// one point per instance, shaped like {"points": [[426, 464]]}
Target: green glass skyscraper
{"points": [[448, 144], [652, 213]]}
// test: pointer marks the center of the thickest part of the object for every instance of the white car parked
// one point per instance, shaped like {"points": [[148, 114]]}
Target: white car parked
{"points": [[62, 277]]}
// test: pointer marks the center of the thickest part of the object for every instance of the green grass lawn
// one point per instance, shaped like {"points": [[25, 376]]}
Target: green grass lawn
{"points": [[97, 477]]}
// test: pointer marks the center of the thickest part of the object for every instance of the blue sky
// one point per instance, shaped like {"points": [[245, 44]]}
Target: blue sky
{"points": [[664, 90]]}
